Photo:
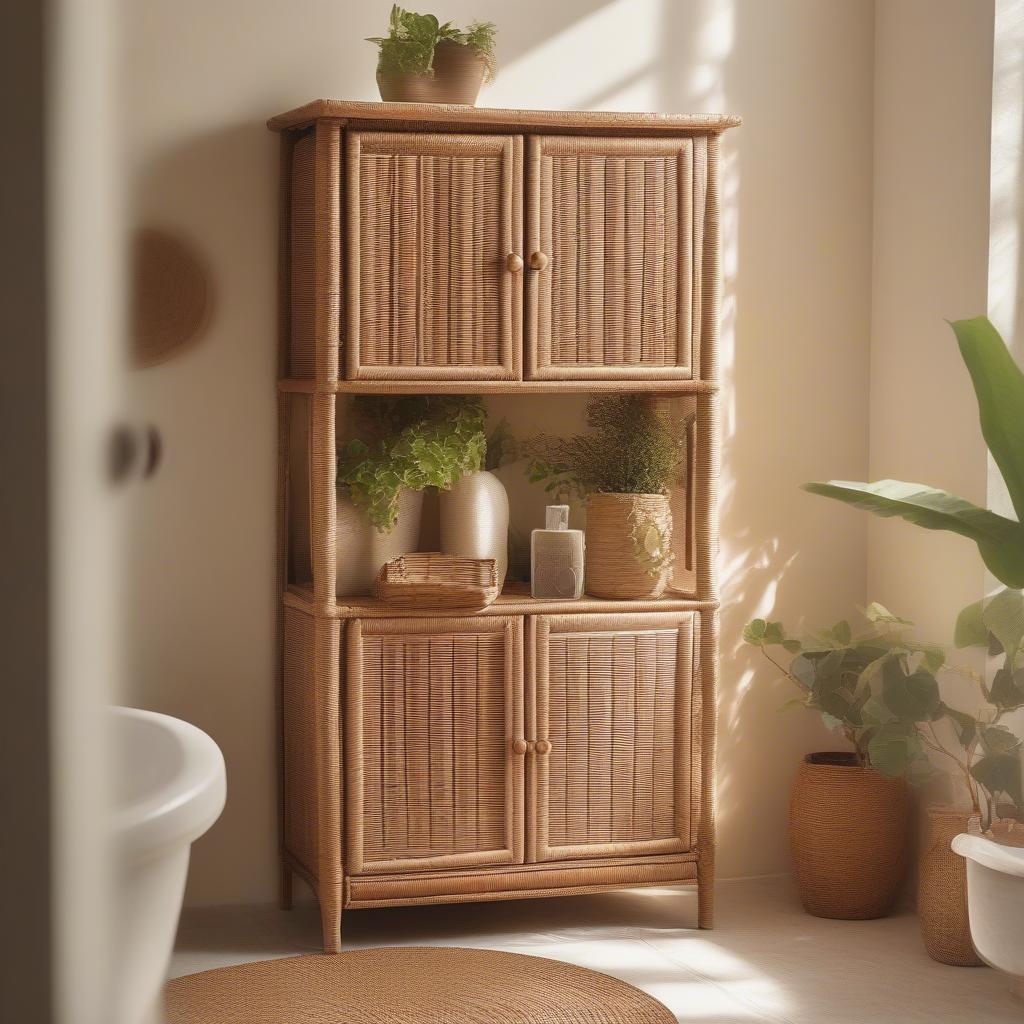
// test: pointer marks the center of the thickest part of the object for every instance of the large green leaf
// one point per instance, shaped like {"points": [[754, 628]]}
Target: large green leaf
{"points": [[915, 697], [970, 629], [1000, 773], [1000, 540], [999, 387], [1003, 614]]}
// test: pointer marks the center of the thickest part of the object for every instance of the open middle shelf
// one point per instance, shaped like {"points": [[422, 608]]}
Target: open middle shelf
{"points": [[515, 599]]}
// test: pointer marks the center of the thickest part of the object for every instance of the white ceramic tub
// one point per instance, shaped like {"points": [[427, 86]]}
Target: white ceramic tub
{"points": [[170, 788]]}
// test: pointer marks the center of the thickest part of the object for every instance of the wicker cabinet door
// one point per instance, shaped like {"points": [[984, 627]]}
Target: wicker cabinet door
{"points": [[434, 775], [613, 735], [614, 249], [434, 256]]}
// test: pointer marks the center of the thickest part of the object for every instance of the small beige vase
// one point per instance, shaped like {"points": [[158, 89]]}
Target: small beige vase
{"points": [[362, 549], [474, 520], [627, 538], [942, 891]]}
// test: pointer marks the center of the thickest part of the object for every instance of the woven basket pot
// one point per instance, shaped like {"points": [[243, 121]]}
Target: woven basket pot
{"points": [[942, 891], [362, 549], [616, 524], [474, 520], [848, 828], [458, 74]]}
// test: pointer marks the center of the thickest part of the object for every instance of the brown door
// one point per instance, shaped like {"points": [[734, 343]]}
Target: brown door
{"points": [[611, 769], [434, 256], [434, 777], [614, 248]]}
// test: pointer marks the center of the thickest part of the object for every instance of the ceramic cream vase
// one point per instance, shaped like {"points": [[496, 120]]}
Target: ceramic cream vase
{"points": [[474, 520], [362, 549]]}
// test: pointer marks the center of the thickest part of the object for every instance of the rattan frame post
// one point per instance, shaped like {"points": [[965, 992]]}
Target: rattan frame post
{"points": [[320, 209]]}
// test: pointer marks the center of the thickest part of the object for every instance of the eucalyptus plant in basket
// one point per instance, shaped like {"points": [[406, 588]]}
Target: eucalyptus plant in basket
{"points": [[623, 467]]}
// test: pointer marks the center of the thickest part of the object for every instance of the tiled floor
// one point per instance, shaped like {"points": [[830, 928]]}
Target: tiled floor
{"points": [[765, 961]]}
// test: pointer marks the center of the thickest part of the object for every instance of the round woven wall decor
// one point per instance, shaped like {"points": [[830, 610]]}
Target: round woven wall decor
{"points": [[171, 296], [409, 986]]}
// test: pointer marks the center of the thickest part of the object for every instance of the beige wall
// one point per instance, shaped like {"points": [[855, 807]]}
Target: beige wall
{"points": [[201, 77], [933, 82]]}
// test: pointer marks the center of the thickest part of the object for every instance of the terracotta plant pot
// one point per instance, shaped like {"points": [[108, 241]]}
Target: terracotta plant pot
{"points": [[362, 549], [616, 566], [942, 891], [458, 74], [474, 520], [848, 828]]}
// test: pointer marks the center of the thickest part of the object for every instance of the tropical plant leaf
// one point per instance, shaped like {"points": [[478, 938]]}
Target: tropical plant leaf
{"points": [[997, 739], [965, 726], [895, 750], [876, 613], [999, 387], [1003, 615], [1000, 773], [970, 629], [1000, 540], [1007, 692], [915, 697]]}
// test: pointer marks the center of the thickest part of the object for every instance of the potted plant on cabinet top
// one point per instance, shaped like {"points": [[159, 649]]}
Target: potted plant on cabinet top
{"points": [[623, 468], [423, 61], [407, 443], [849, 817]]}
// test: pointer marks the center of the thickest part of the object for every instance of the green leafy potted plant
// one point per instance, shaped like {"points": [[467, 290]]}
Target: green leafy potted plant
{"points": [[999, 388], [423, 61], [405, 445], [880, 688], [623, 468]]}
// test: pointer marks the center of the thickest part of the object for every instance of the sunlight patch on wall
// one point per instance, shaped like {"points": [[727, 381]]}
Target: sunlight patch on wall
{"points": [[608, 54]]}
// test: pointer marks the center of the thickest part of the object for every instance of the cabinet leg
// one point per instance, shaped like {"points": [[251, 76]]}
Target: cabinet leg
{"points": [[330, 919], [284, 889], [706, 891]]}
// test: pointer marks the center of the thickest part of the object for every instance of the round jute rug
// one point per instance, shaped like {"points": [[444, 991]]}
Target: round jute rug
{"points": [[409, 986]]}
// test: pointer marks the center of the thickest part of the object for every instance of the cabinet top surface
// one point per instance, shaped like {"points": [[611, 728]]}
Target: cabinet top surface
{"points": [[406, 115]]}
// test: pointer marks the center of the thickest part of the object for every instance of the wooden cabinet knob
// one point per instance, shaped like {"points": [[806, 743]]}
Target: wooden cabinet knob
{"points": [[542, 747], [514, 262], [538, 260], [520, 747]]}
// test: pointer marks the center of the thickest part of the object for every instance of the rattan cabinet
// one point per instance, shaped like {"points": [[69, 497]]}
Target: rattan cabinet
{"points": [[535, 748]]}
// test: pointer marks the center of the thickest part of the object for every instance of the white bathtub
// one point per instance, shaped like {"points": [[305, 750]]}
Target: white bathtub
{"points": [[995, 901], [170, 788]]}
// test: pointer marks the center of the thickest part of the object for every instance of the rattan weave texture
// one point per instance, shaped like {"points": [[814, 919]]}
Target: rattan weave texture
{"points": [[409, 986], [613, 705], [403, 268], [614, 219], [942, 891]]}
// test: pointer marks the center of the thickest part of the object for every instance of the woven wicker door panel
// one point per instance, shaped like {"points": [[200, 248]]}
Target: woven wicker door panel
{"points": [[614, 249], [434, 777], [434, 256], [613, 729]]}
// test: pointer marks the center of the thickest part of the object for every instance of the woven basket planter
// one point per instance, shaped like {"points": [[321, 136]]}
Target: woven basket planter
{"points": [[848, 829], [616, 523], [458, 74], [942, 891]]}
